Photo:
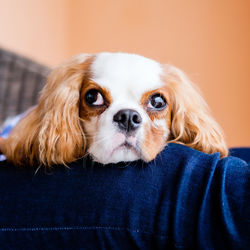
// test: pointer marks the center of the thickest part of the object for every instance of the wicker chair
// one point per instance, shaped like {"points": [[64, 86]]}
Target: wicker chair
{"points": [[21, 79]]}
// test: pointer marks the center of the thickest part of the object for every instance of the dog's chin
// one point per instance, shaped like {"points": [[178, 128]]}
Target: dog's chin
{"points": [[122, 153]]}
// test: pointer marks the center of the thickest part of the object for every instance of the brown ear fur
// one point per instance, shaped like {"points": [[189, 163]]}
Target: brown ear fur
{"points": [[51, 133], [192, 123]]}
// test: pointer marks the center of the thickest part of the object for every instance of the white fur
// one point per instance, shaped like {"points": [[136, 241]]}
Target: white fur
{"points": [[127, 77]]}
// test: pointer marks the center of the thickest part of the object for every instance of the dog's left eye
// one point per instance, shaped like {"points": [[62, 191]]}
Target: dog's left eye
{"points": [[157, 102], [94, 98]]}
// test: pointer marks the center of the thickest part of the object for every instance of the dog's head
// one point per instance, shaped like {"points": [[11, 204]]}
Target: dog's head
{"points": [[115, 107]]}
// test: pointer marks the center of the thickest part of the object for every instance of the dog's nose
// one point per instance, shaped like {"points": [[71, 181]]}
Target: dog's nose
{"points": [[128, 120]]}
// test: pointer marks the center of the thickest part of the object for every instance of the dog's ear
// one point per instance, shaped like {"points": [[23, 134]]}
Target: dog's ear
{"points": [[192, 123], [2, 144], [51, 133]]}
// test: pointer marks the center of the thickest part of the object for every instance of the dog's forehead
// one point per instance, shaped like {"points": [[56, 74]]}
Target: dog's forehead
{"points": [[122, 72]]}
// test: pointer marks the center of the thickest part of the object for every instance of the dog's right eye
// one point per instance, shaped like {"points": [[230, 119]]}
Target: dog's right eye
{"points": [[94, 98]]}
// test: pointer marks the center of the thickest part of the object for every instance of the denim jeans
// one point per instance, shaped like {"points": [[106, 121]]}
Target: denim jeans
{"points": [[184, 199]]}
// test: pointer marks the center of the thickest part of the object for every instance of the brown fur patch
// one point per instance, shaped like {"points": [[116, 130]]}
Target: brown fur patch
{"points": [[155, 114], [86, 111], [153, 142]]}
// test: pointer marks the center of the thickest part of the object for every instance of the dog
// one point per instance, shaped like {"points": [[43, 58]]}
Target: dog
{"points": [[114, 107]]}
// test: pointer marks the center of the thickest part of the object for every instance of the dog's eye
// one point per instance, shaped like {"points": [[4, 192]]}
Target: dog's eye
{"points": [[157, 101], [94, 97]]}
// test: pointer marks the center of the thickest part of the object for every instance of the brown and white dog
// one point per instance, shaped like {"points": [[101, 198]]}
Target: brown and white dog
{"points": [[115, 107]]}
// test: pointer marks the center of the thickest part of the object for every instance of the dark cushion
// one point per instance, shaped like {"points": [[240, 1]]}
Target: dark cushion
{"points": [[21, 79], [184, 199]]}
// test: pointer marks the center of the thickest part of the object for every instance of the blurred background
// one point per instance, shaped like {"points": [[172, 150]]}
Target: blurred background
{"points": [[209, 40]]}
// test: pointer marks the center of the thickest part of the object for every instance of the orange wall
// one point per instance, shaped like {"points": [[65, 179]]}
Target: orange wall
{"points": [[36, 28], [210, 40]]}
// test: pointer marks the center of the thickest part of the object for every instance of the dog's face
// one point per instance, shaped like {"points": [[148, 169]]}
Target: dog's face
{"points": [[125, 108], [115, 107]]}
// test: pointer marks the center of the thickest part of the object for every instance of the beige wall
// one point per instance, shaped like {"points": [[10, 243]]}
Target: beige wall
{"points": [[208, 39]]}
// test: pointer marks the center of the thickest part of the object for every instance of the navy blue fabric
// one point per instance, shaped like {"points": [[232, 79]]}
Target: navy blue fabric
{"points": [[243, 153], [184, 199]]}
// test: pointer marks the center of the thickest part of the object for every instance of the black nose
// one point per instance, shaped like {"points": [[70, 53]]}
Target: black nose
{"points": [[127, 119]]}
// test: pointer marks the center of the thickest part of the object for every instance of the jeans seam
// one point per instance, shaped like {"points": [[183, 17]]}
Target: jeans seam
{"points": [[72, 228]]}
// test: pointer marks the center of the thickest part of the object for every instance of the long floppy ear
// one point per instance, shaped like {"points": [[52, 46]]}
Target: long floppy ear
{"points": [[192, 123], [51, 133]]}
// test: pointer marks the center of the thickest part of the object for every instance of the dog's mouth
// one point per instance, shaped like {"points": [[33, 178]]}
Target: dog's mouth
{"points": [[127, 146], [119, 148]]}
